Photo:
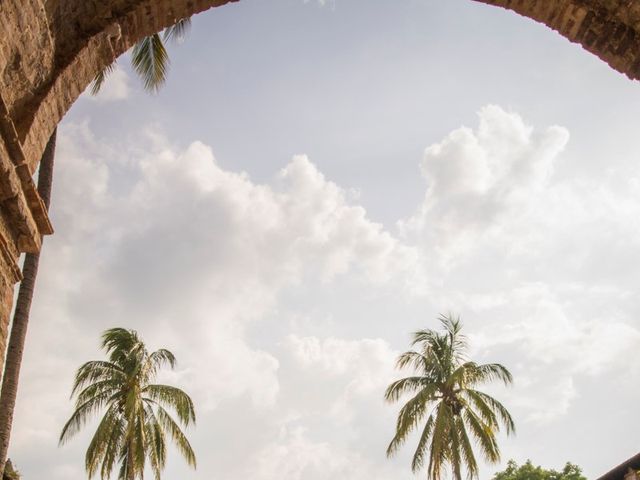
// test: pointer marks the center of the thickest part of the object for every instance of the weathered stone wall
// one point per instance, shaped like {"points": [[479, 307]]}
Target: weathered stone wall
{"points": [[609, 29], [50, 50]]}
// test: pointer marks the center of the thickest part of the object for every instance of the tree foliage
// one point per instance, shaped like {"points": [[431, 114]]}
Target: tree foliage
{"points": [[136, 413], [528, 471], [149, 58], [10, 473], [446, 405]]}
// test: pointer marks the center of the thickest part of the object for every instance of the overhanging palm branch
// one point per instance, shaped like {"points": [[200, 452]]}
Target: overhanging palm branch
{"points": [[178, 31], [150, 61], [445, 399], [137, 418], [149, 58], [99, 79]]}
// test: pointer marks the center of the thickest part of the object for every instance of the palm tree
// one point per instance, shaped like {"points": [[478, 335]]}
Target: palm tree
{"points": [[149, 58], [444, 392], [20, 321], [136, 422], [151, 61]]}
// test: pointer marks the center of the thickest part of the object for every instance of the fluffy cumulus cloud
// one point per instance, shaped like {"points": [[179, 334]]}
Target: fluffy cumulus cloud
{"points": [[357, 369], [283, 300], [539, 264], [336, 425], [479, 181], [219, 248], [194, 257], [294, 456]]}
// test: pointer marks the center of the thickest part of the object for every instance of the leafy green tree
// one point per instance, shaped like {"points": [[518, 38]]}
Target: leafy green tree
{"points": [[150, 61], [444, 393], [528, 472], [135, 423]]}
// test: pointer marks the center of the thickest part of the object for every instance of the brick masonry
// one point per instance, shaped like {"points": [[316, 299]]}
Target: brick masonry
{"points": [[50, 50], [610, 29]]}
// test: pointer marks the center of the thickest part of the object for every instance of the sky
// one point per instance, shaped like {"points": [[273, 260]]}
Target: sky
{"points": [[316, 181]]}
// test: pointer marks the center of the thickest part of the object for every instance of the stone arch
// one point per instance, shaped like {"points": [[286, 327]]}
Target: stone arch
{"points": [[50, 50]]}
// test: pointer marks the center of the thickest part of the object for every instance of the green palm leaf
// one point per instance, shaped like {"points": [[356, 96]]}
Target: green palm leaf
{"points": [[444, 384], [178, 31], [174, 398], [150, 61], [178, 437], [101, 77], [135, 424], [149, 58]]}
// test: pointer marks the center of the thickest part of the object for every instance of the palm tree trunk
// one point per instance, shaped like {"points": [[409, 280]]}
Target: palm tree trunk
{"points": [[131, 475], [21, 314]]}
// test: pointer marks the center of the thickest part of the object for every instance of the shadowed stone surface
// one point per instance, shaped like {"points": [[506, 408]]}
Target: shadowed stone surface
{"points": [[50, 50]]}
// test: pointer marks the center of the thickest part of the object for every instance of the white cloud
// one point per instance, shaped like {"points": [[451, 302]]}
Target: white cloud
{"points": [[193, 256], [236, 244], [209, 263], [477, 180], [295, 456], [335, 356], [358, 371], [538, 263], [556, 395]]}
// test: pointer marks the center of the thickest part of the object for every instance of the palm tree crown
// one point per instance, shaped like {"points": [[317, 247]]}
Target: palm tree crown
{"points": [[136, 422], [444, 392]]}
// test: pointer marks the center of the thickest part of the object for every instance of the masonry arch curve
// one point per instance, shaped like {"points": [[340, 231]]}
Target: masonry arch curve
{"points": [[50, 50]]}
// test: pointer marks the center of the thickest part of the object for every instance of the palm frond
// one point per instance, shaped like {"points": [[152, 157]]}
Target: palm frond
{"points": [[410, 416], [180, 440], [174, 398], [119, 343], [113, 449], [484, 411], [158, 359], [150, 61], [139, 442], [404, 386], [444, 380], [427, 338], [439, 449], [490, 372], [108, 387], [82, 415], [95, 371], [495, 406], [178, 31], [423, 444], [417, 361], [467, 450], [133, 428], [156, 444], [484, 435], [455, 449], [108, 434], [125, 465], [100, 78], [457, 342]]}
